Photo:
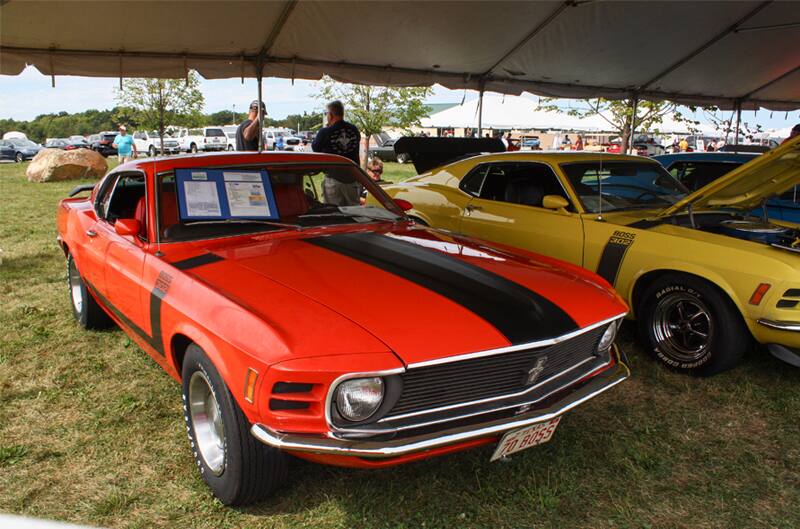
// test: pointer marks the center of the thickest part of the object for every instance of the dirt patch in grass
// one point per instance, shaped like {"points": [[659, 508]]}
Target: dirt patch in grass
{"points": [[91, 432]]}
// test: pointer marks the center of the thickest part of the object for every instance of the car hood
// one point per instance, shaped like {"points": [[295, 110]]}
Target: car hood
{"points": [[750, 184], [423, 293]]}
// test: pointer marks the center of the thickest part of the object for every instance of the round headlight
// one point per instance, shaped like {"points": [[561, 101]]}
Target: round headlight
{"points": [[607, 339], [358, 398]]}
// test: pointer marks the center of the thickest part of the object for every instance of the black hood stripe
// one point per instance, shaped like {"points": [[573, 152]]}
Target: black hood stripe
{"points": [[520, 314]]}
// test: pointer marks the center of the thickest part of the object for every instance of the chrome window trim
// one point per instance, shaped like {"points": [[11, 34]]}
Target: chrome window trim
{"points": [[512, 348]]}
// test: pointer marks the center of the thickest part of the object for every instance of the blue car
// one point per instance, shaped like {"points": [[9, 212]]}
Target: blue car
{"points": [[698, 169]]}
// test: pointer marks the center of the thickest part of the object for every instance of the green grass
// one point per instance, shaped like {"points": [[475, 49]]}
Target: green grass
{"points": [[91, 432]]}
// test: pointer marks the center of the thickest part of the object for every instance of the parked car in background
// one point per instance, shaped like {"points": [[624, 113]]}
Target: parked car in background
{"points": [[704, 279], [384, 150], [204, 139], [77, 139], [230, 134], [24, 149], [7, 151], [149, 142], [56, 143], [103, 142], [307, 136], [698, 169], [263, 320], [529, 143]]}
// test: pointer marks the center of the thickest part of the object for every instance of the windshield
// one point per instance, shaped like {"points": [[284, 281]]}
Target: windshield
{"points": [[215, 133], [22, 142], [624, 185], [234, 201]]}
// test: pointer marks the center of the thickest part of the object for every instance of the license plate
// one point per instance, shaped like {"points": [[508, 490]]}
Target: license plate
{"points": [[518, 440]]}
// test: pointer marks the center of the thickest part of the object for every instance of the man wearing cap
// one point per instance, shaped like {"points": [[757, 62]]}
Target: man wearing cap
{"points": [[247, 133], [793, 134], [126, 148]]}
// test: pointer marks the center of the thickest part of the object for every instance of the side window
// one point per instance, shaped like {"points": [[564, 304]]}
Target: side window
{"points": [[124, 199], [791, 195], [104, 195], [521, 183], [473, 182]]}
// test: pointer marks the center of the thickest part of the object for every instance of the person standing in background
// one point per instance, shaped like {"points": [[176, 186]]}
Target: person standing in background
{"points": [[793, 134], [342, 138], [126, 148], [579, 143], [683, 145], [247, 133]]}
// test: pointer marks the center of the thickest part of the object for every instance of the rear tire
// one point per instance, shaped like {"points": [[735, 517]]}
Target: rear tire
{"points": [[238, 468], [402, 158], [193, 148], [691, 326], [151, 152], [88, 313]]}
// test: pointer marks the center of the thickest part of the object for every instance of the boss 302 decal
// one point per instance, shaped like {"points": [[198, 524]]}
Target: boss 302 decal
{"points": [[613, 254]]}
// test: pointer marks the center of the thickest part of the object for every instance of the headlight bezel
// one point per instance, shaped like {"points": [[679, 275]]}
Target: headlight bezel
{"points": [[393, 387], [608, 337], [357, 388]]}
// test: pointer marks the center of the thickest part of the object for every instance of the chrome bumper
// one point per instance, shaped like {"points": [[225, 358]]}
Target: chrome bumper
{"points": [[398, 447], [791, 326]]}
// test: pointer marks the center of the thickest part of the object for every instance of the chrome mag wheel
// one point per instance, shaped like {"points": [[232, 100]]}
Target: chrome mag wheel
{"points": [[209, 430], [75, 287], [682, 326]]}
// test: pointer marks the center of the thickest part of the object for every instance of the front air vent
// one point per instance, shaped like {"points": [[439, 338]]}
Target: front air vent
{"points": [[790, 299]]}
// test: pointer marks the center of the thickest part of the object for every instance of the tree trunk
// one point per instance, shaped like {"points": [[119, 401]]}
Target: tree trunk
{"points": [[625, 136]]}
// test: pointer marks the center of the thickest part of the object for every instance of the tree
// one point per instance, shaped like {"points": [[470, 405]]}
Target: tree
{"points": [[159, 102], [619, 114], [727, 125], [373, 108]]}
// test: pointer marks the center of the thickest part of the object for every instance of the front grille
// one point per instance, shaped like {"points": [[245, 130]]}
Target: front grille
{"points": [[452, 383]]}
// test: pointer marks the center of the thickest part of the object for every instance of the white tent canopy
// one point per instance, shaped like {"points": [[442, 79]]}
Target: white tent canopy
{"points": [[500, 112], [732, 54]]}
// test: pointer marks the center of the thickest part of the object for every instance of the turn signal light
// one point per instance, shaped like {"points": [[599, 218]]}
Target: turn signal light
{"points": [[759, 293], [250, 385]]}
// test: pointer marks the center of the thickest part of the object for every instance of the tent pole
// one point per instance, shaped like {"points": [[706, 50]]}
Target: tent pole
{"points": [[633, 123], [480, 113], [259, 74], [738, 121]]}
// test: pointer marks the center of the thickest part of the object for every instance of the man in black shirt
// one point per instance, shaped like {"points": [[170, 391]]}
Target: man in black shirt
{"points": [[247, 133], [342, 138]]}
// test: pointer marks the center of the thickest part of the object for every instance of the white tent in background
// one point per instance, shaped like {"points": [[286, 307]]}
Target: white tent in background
{"points": [[523, 113]]}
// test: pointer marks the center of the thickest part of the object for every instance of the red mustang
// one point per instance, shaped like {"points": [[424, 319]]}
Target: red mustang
{"points": [[345, 335]]}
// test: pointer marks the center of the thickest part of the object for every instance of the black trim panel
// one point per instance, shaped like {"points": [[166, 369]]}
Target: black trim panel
{"points": [[518, 313], [613, 254], [198, 260]]}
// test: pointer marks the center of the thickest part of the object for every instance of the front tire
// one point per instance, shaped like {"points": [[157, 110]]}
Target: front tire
{"points": [[402, 158], [87, 312], [238, 468], [691, 326], [18, 158], [151, 152], [193, 148]]}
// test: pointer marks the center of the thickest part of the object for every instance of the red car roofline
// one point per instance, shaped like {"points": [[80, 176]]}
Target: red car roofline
{"points": [[230, 158]]}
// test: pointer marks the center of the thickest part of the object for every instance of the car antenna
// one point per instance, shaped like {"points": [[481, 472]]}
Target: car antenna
{"points": [[600, 192]]}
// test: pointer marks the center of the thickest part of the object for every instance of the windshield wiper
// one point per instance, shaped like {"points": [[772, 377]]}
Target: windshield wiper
{"points": [[245, 221]]}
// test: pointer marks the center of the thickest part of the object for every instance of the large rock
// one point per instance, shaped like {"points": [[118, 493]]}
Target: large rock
{"points": [[51, 165]]}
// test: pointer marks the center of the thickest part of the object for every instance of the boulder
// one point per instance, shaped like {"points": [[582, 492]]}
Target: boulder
{"points": [[52, 165]]}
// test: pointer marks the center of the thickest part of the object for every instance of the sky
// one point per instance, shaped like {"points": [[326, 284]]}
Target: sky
{"points": [[25, 96]]}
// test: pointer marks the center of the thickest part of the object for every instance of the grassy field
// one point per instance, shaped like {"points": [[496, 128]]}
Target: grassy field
{"points": [[91, 432]]}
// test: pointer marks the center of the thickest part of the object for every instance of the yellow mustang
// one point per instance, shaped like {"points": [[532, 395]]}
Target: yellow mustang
{"points": [[702, 277]]}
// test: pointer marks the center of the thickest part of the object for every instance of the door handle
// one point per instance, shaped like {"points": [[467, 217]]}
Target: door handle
{"points": [[91, 233]]}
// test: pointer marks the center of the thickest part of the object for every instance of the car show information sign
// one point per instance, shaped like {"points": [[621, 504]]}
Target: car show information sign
{"points": [[209, 194]]}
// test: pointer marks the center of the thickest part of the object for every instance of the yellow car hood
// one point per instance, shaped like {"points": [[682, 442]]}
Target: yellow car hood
{"points": [[746, 187]]}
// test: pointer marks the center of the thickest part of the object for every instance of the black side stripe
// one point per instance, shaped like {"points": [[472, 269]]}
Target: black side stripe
{"points": [[157, 344], [613, 254], [163, 281], [199, 260], [519, 313]]}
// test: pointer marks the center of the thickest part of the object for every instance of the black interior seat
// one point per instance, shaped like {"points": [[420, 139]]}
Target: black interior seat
{"points": [[524, 191]]}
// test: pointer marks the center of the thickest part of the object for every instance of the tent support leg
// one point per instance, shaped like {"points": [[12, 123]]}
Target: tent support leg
{"points": [[738, 122], [633, 124], [480, 113], [259, 74]]}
